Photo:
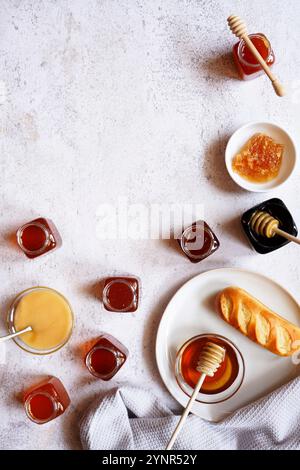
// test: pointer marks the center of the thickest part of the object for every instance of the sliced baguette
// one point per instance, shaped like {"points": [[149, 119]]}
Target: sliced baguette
{"points": [[258, 322]]}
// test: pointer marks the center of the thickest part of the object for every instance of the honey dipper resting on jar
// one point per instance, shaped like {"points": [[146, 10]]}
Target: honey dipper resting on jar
{"points": [[210, 359], [264, 224]]}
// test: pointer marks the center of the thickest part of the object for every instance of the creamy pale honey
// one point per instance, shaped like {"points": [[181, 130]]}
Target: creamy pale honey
{"points": [[50, 316]]}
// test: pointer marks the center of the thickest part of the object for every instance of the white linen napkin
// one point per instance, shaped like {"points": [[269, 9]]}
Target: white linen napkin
{"points": [[131, 418]]}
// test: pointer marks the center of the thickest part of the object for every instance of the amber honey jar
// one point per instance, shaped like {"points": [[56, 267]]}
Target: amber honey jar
{"points": [[46, 401], [106, 357], [38, 237], [121, 294], [246, 62], [198, 241], [226, 381]]}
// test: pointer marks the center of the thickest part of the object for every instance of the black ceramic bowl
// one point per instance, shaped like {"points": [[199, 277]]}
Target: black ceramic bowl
{"points": [[277, 209]]}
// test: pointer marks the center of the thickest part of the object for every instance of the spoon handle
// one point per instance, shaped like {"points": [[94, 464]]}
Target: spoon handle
{"points": [[13, 335]]}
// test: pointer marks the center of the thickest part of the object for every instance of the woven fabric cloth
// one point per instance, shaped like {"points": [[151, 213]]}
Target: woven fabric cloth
{"points": [[132, 418]]}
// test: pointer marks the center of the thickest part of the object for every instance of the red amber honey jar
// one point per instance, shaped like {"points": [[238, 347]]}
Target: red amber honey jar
{"points": [[246, 63], [38, 237], [46, 401], [106, 357], [121, 294], [198, 241]]}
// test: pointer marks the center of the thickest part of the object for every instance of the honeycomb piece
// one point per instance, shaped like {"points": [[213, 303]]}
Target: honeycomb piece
{"points": [[260, 159]]}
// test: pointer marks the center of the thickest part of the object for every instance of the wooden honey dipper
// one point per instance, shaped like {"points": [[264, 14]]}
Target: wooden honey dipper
{"points": [[209, 361], [239, 29], [266, 225]]}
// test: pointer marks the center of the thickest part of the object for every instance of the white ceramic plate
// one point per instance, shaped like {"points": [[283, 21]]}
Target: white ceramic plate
{"points": [[239, 139], [191, 311]]}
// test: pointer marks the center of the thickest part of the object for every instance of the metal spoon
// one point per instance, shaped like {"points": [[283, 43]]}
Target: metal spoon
{"points": [[13, 335]]}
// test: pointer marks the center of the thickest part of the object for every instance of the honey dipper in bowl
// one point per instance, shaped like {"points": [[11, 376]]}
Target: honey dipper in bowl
{"points": [[210, 359], [264, 224]]}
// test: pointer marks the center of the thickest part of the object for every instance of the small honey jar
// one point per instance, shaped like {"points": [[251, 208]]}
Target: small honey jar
{"points": [[38, 237], [106, 357], [121, 294], [46, 401], [198, 241], [246, 62]]}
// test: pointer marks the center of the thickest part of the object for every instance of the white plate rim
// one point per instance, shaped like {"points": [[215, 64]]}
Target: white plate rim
{"points": [[163, 317], [228, 158]]}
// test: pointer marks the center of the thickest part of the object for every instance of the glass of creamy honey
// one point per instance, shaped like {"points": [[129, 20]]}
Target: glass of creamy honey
{"points": [[48, 313]]}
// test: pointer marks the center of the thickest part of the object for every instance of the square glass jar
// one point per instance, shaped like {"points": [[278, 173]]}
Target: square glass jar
{"points": [[106, 357], [46, 401], [38, 237], [246, 63], [121, 294], [198, 241]]}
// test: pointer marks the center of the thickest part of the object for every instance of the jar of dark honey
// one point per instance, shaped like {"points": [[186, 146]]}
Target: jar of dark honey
{"points": [[38, 237], [121, 294], [246, 62], [198, 241], [106, 357], [46, 401]]}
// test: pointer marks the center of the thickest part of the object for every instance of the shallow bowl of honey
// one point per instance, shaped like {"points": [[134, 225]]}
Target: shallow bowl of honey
{"points": [[237, 143], [226, 381], [49, 314]]}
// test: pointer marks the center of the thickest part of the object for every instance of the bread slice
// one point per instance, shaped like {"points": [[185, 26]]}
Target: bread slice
{"points": [[258, 322]]}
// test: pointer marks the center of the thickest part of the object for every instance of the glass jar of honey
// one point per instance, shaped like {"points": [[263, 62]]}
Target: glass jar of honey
{"points": [[246, 62], [106, 357], [46, 401], [226, 381], [198, 241], [121, 294], [38, 237]]}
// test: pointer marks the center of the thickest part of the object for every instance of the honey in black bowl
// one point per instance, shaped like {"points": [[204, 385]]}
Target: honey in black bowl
{"points": [[276, 208]]}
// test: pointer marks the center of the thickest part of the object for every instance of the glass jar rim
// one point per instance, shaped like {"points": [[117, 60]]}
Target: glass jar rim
{"points": [[55, 404], [204, 228], [89, 364], [34, 224], [242, 43], [106, 296]]}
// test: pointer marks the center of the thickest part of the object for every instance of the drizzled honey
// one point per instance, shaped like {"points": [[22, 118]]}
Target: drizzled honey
{"points": [[260, 159]]}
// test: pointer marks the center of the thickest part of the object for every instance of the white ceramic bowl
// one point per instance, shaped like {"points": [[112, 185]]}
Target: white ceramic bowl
{"points": [[239, 139]]}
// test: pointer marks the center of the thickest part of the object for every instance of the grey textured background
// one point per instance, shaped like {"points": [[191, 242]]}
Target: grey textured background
{"points": [[128, 98]]}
